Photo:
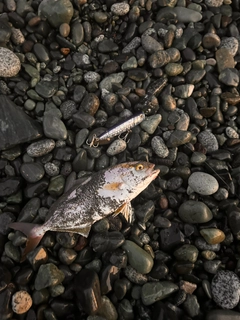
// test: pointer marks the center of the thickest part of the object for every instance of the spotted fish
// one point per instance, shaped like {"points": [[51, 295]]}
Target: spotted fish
{"points": [[109, 191]]}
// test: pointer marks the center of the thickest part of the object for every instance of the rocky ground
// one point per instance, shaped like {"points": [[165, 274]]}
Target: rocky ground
{"points": [[71, 69]]}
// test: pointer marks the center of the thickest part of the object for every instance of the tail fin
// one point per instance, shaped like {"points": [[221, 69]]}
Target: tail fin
{"points": [[34, 233]]}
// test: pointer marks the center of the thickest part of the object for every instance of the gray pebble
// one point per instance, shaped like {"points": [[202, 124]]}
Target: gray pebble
{"points": [[54, 128], [203, 183], [184, 91], [208, 140], [40, 148], [134, 276], [151, 45], [120, 9], [151, 123], [231, 133], [230, 43], [155, 291], [191, 305], [159, 147], [51, 169], [226, 289], [194, 212], [116, 147]]}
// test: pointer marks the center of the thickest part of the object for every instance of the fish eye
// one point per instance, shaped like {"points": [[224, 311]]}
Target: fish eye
{"points": [[139, 167]]}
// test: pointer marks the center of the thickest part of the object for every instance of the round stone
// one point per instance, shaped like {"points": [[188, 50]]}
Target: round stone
{"points": [[9, 63], [212, 235], [230, 43], [213, 3], [120, 9], [208, 140], [54, 128], [56, 12], [32, 172], [173, 69], [203, 183], [187, 252], [226, 289], [194, 212], [21, 302], [64, 29], [138, 258], [116, 147], [159, 147]]}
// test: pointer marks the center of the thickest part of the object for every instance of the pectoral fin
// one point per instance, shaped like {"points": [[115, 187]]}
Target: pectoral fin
{"points": [[126, 210]]}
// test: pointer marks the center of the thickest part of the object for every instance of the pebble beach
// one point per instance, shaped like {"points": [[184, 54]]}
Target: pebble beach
{"points": [[72, 69]]}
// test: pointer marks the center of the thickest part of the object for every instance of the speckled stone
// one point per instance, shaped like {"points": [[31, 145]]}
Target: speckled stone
{"points": [[226, 289], [120, 9], [116, 147], [10, 64], [159, 147], [21, 302], [213, 3], [40, 148], [203, 183], [231, 44], [208, 140]]}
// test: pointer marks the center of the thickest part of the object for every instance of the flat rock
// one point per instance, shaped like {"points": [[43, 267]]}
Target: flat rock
{"points": [[9, 63], [155, 291], [16, 126]]}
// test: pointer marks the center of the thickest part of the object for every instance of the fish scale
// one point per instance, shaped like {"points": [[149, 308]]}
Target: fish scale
{"points": [[109, 191]]}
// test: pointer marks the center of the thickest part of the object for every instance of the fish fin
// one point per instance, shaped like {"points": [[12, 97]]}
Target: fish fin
{"points": [[120, 209], [127, 212], [84, 231], [32, 231], [114, 186]]}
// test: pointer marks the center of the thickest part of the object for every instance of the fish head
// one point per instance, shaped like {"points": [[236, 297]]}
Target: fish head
{"points": [[137, 175]]}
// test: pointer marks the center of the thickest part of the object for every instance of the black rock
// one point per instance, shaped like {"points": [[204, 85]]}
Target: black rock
{"points": [[16, 127], [5, 277], [171, 237], [9, 186], [5, 302], [87, 290], [106, 241], [109, 275]]}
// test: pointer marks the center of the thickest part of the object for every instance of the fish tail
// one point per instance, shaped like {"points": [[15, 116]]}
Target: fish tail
{"points": [[34, 233]]}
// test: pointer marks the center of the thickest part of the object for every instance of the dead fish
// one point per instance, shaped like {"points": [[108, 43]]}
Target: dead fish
{"points": [[107, 192], [117, 130]]}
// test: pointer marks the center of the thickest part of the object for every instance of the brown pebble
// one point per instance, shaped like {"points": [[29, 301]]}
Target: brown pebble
{"points": [[224, 59], [163, 202], [188, 287], [207, 112], [27, 46], [64, 29], [231, 98], [65, 51], [81, 244], [21, 302], [212, 235], [211, 40], [140, 92], [34, 21], [232, 142]]}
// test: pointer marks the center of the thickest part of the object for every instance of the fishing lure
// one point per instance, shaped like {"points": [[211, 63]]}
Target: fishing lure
{"points": [[117, 130]]}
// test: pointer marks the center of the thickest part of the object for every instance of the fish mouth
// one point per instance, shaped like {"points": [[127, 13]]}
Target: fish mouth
{"points": [[153, 173]]}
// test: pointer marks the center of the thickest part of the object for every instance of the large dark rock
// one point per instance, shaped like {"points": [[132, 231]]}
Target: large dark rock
{"points": [[15, 125]]}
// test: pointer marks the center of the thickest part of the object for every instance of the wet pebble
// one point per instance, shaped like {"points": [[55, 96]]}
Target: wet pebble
{"points": [[40, 148], [120, 9], [194, 212], [48, 275], [32, 172], [213, 236], [226, 289], [208, 140], [107, 241], [54, 128], [138, 258], [155, 291], [116, 147]]}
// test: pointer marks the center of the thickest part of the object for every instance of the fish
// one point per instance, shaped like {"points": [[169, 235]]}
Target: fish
{"points": [[117, 130], [106, 192]]}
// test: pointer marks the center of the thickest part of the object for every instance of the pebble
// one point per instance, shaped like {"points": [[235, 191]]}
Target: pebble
{"points": [[212, 235], [231, 44], [214, 3], [32, 172], [120, 9], [187, 252], [208, 140], [106, 83], [134, 276], [48, 275], [226, 289], [40, 148], [54, 128], [203, 183], [56, 12], [21, 302], [106, 241], [116, 147], [184, 91], [159, 147], [229, 76], [150, 45], [220, 314], [10, 64], [138, 258], [159, 59], [151, 123], [224, 59], [194, 212], [191, 305], [155, 291]]}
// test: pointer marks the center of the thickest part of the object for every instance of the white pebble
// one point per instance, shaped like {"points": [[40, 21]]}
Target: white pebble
{"points": [[203, 183], [21, 302], [9, 63], [120, 9], [91, 76], [159, 147], [231, 133]]}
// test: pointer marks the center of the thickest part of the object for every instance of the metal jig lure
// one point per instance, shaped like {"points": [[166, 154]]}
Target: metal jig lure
{"points": [[117, 130]]}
